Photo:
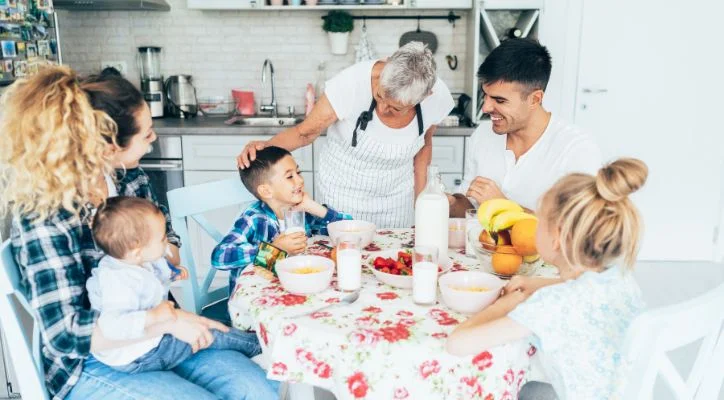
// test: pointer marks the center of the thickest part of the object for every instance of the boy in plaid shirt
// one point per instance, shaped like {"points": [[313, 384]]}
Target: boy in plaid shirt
{"points": [[273, 178]]}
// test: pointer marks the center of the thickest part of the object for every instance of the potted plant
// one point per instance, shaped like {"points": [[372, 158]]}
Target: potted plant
{"points": [[338, 25]]}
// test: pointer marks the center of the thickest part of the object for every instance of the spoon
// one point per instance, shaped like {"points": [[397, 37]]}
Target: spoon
{"points": [[348, 299]]}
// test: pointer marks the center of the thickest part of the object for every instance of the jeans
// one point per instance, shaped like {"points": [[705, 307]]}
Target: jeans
{"points": [[171, 352], [535, 390], [206, 375]]}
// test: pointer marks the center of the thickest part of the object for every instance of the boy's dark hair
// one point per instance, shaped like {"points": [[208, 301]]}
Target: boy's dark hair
{"points": [[524, 61], [116, 96], [121, 224], [258, 172]]}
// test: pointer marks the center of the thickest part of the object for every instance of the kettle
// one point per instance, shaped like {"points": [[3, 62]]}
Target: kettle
{"points": [[181, 96]]}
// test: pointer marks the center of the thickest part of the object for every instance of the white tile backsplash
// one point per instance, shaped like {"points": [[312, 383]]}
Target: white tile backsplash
{"points": [[225, 49]]}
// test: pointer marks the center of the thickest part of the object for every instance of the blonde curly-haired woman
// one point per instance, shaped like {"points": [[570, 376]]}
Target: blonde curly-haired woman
{"points": [[56, 147]]}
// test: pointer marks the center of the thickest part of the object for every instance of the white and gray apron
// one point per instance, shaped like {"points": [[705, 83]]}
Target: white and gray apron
{"points": [[371, 180]]}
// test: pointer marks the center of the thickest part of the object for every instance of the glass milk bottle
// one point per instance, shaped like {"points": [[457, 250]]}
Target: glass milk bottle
{"points": [[349, 263], [432, 210]]}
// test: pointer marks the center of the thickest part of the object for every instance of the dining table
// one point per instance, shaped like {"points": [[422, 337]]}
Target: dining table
{"points": [[381, 346]]}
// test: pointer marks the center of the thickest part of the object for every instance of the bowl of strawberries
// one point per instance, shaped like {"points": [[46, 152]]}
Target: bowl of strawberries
{"points": [[393, 267]]}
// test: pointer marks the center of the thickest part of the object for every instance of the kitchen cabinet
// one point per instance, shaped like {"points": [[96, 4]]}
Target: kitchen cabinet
{"points": [[664, 109], [448, 153], [445, 4], [261, 5]]}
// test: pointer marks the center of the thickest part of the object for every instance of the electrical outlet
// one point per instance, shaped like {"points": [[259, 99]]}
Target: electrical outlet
{"points": [[119, 65]]}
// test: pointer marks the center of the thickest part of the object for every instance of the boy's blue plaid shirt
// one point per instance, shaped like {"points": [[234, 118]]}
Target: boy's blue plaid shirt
{"points": [[255, 225]]}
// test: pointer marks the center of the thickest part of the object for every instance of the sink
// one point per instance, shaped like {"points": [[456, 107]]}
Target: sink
{"points": [[264, 121]]}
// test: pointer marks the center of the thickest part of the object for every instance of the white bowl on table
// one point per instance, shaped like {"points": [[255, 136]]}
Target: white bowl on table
{"points": [[362, 229], [294, 280], [453, 287]]}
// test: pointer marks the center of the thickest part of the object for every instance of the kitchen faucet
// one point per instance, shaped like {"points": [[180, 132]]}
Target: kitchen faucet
{"points": [[271, 107]]}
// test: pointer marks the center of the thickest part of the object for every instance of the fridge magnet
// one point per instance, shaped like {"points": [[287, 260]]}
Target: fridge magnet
{"points": [[21, 49], [20, 67], [8, 48], [12, 3], [43, 48], [32, 50], [8, 66], [43, 4], [33, 68], [53, 47]]}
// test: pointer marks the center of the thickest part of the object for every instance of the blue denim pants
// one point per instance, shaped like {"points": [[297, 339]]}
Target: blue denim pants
{"points": [[171, 352], [208, 374]]}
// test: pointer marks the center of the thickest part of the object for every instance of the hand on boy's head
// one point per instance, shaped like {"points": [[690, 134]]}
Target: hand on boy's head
{"points": [[294, 243], [248, 154]]}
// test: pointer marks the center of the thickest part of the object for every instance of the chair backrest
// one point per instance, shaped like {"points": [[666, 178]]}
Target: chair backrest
{"points": [[656, 332], [24, 352], [193, 201]]}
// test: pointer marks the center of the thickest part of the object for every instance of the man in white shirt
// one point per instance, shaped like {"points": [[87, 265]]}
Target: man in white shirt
{"points": [[528, 149]]}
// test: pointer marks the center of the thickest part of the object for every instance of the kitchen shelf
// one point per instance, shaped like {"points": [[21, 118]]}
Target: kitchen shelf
{"points": [[260, 5]]}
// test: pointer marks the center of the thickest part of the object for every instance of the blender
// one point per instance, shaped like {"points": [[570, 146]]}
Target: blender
{"points": [[149, 62]]}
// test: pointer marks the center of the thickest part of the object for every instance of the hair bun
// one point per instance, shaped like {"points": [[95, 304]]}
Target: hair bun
{"points": [[617, 180]]}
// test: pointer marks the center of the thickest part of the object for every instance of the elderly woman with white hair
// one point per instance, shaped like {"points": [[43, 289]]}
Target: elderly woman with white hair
{"points": [[380, 117]]}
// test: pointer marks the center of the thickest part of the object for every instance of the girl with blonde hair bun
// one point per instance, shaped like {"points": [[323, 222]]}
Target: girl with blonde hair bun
{"points": [[56, 148], [590, 229]]}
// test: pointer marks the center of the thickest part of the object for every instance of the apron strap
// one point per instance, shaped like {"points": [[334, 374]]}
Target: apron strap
{"points": [[366, 116]]}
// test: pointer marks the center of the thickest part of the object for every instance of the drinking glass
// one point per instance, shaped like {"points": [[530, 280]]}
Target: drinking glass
{"points": [[424, 275], [294, 221], [471, 225], [349, 263]]}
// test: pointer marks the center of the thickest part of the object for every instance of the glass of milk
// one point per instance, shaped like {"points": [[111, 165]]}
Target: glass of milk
{"points": [[349, 263], [471, 224], [293, 221], [424, 275]]}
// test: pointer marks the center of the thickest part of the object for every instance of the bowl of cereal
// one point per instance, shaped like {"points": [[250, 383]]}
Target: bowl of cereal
{"points": [[305, 274], [469, 291]]}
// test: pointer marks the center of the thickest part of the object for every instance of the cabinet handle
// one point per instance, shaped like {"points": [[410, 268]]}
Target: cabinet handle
{"points": [[588, 90], [458, 182]]}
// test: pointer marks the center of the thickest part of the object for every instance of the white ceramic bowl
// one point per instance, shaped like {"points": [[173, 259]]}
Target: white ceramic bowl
{"points": [[398, 281], [469, 302], [363, 229], [305, 283]]}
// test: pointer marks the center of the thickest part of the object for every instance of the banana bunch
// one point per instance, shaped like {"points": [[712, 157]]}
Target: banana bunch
{"points": [[496, 215]]}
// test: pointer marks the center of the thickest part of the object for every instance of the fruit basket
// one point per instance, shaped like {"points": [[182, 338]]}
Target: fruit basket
{"points": [[485, 254]]}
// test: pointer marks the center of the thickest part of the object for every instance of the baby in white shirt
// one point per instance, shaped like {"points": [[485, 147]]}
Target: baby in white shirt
{"points": [[132, 280]]}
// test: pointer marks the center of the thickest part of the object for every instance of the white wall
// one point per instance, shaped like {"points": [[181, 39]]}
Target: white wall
{"points": [[226, 49]]}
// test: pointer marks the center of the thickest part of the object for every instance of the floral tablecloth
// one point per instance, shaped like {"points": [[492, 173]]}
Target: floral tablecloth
{"points": [[383, 346]]}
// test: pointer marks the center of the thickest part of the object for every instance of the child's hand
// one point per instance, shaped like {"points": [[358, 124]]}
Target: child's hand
{"points": [[310, 206], [294, 243], [181, 275], [164, 312], [527, 284]]}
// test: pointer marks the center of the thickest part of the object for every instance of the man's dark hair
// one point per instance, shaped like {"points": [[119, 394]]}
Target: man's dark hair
{"points": [[523, 61], [258, 172]]}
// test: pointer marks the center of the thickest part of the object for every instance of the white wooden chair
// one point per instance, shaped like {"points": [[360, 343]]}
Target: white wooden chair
{"points": [[656, 332], [24, 351], [193, 202]]}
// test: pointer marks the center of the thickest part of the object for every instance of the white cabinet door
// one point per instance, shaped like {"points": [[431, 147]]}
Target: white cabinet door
{"points": [[318, 146], [646, 89], [447, 4], [447, 153], [222, 219], [223, 4], [218, 153], [451, 181]]}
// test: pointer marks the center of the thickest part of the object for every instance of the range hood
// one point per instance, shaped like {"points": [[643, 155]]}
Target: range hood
{"points": [[110, 5]]}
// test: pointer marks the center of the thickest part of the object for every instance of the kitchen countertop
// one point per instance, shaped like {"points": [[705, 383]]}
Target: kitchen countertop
{"points": [[216, 126]]}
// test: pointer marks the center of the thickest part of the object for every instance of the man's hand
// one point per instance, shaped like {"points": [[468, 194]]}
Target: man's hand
{"points": [[482, 189], [293, 244], [244, 159]]}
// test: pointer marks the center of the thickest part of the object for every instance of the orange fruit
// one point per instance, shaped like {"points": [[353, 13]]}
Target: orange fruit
{"points": [[522, 235], [506, 249], [486, 240], [506, 264]]}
